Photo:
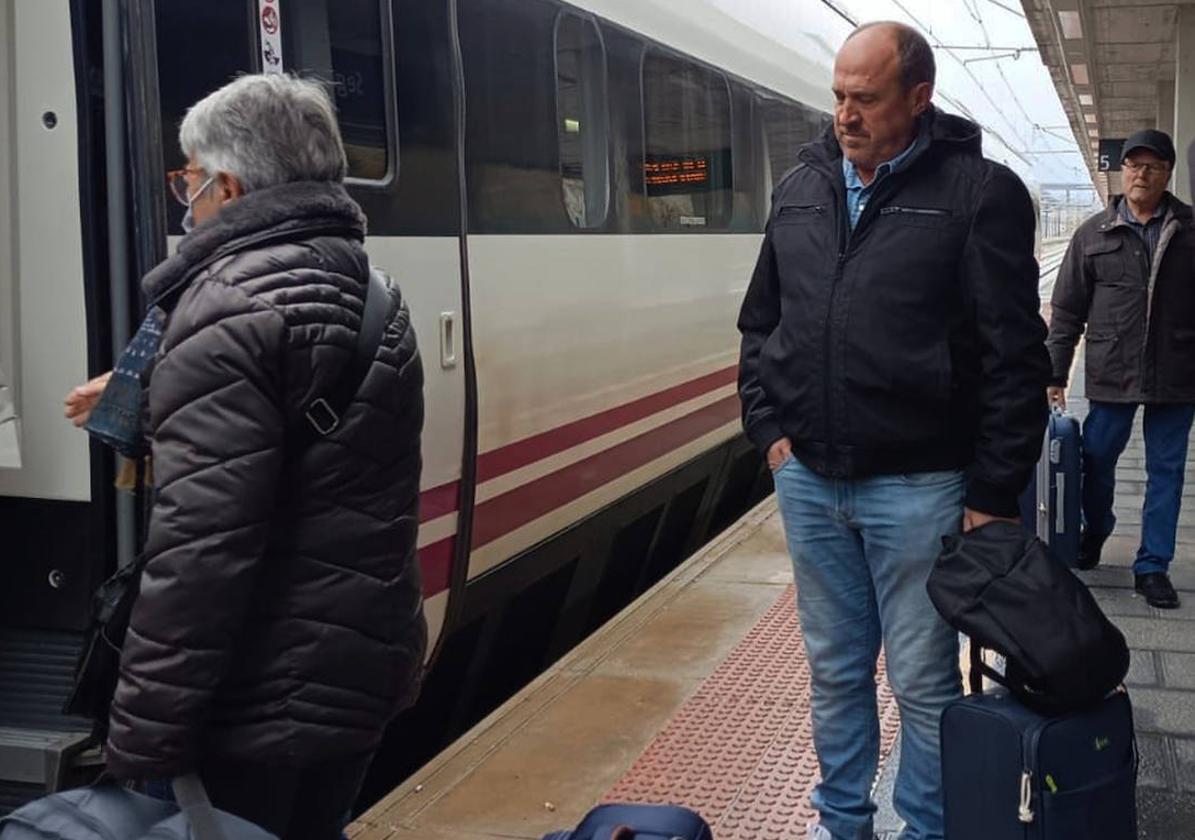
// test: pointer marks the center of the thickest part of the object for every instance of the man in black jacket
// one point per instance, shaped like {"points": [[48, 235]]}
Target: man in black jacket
{"points": [[1128, 283], [893, 373]]}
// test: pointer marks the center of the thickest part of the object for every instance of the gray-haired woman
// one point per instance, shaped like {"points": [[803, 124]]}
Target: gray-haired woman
{"points": [[280, 624]]}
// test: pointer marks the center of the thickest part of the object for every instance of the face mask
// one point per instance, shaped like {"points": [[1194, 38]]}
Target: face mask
{"points": [[189, 217]]}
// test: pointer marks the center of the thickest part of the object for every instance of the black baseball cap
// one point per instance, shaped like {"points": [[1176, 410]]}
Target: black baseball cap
{"points": [[1158, 142]]}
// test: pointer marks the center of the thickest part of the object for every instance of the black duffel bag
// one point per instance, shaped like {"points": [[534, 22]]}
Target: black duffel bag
{"points": [[1007, 592]]}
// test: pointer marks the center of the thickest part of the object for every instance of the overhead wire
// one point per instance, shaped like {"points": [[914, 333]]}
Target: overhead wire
{"points": [[987, 39], [1008, 9], [1022, 143]]}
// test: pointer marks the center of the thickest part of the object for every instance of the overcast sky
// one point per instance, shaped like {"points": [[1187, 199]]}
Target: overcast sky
{"points": [[1012, 98]]}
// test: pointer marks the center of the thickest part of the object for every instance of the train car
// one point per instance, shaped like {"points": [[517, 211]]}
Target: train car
{"points": [[571, 197]]}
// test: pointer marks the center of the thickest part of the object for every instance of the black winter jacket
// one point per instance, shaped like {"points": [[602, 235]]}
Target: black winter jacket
{"points": [[912, 343], [1139, 317], [280, 617]]}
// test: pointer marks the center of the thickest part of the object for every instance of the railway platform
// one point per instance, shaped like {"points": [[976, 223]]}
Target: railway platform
{"points": [[697, 694]]}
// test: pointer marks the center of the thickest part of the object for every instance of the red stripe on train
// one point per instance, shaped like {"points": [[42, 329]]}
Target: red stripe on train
{"points": [[529, 450], [503, 514], [435, 562], [438, 501]]}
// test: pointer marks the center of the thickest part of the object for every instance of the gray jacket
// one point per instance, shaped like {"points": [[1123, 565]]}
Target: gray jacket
{"points": [[1140, 323]]}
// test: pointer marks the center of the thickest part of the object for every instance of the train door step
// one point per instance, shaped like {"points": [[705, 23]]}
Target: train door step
{"points": [[39, 756], [39, 745]]}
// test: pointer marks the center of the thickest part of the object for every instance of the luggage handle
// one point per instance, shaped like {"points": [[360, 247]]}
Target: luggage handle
{"points": [[980, 669], [193, 801]]}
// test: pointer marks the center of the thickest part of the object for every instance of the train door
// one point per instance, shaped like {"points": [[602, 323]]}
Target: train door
{"points": [[46, 539], [389, 65]]}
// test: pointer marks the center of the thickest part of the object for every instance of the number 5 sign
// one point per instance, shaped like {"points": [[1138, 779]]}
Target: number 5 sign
{"points": [[1109, 155]]}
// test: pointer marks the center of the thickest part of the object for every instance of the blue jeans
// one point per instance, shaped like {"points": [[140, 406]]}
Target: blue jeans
{"points": [[862, 551], [1106, 432]]}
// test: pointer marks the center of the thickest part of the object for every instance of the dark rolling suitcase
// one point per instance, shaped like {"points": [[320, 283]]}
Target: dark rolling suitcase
{"points": [[634, 821], [1051, 504], [1009, 773]]}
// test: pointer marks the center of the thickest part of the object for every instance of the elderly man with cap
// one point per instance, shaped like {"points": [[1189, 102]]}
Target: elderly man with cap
{"points": [[1129, 280]]}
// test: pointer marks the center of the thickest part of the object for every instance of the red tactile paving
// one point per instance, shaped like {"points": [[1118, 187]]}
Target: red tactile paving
{"points": [[740, 750]]}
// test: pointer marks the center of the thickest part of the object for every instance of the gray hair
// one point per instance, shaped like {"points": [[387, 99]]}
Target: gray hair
{"points": [[917, 63], [266, 129]]}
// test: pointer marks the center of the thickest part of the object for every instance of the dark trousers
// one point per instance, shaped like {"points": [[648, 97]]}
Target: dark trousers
{"points": [[1106, 432], [311, 803]]}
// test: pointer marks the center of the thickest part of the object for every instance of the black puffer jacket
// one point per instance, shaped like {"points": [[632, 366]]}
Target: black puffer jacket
{"points": [[280, 617], [912, 343]]}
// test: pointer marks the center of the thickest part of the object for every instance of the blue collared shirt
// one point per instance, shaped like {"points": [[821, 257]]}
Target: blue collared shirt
{"points": [[1151, 231], [858, 193]]}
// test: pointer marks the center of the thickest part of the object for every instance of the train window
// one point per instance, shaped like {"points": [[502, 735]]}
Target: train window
{"points": [[189, 68], [687, 167], [581, 123], [786, 127], [345, 43]]}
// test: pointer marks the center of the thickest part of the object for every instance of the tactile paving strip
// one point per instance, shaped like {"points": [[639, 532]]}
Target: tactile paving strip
{"points": [[740, 750]]}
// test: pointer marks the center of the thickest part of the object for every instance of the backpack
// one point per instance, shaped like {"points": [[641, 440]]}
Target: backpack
{"points": [[638, 822], [1007, 592]]}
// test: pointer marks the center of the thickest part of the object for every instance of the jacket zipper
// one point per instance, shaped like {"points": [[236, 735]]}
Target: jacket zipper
{"points": [[913, 211], [1029, 781], [800, 209], [847, 240]]}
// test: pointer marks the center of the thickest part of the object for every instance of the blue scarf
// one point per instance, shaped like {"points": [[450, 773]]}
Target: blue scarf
{"points": [[117, 418]]}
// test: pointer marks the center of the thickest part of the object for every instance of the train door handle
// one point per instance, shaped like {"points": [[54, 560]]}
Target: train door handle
{"points": [[447, 340]]}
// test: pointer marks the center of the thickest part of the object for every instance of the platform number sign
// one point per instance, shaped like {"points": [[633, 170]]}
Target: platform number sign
{"points": [[1109, 155]]}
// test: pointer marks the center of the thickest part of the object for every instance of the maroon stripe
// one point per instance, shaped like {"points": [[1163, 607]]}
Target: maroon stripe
{"points": [[536, 448], [438, 501], [503, 514], [435, 561]]}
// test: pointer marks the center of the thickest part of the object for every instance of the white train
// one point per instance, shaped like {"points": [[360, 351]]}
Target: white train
{"points": [[571, 197]]}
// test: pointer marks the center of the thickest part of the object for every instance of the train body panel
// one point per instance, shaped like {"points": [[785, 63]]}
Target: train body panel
{"points": [[43, 329], [600, 361], [571, 198]]}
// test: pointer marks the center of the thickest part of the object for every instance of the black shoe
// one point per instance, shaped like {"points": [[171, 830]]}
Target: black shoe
{"points": [[1157, 590], [1090, 546]]}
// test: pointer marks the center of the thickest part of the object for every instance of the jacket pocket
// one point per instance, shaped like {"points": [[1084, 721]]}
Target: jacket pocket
{"points": [[1107, 259], [800, 213], [1104, 808], [1176, 365], [930, 217], [896, 210], [1103, 364]]}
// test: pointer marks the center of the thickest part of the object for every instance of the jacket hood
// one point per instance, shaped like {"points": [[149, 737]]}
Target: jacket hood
{"points": [[273, 210], [935, 129]]}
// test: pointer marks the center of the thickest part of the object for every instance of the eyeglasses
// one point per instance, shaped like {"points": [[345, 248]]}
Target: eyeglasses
{"points": [[176, 179], [1146, 168]]}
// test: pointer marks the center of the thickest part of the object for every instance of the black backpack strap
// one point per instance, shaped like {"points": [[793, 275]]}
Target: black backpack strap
{"points": [[980, 669], [324, 412]]}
